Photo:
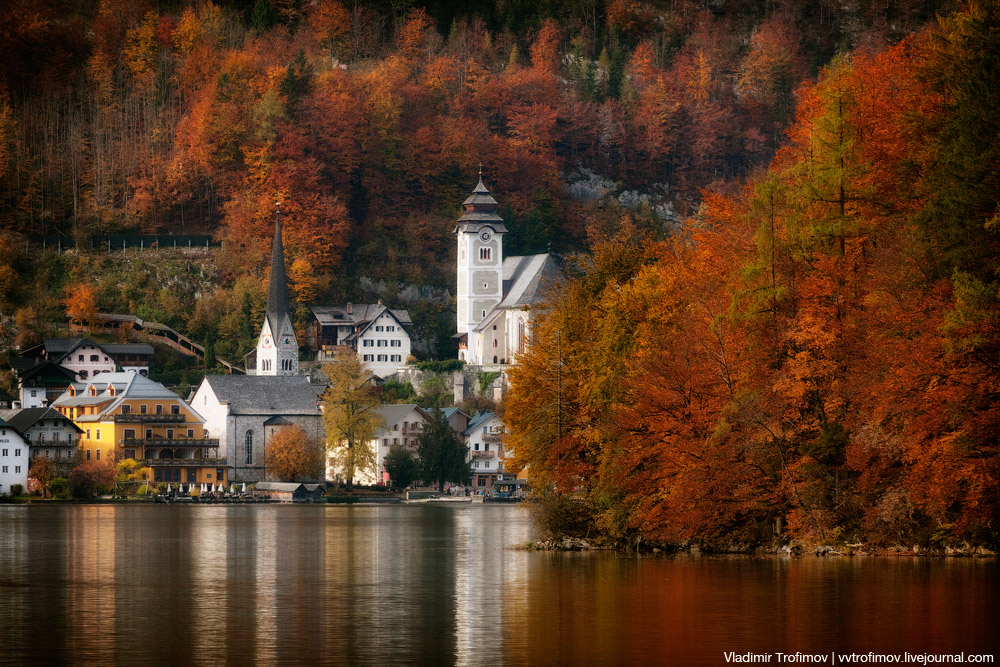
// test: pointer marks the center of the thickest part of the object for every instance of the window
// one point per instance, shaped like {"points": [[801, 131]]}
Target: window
{"points": [[190, 432], [98, 434], [98, 455], [475, 447], [33, 393], [94, 358], [396, 343], [159, 409], [381, 343], [379, 328], [485, 254], [46, 453], [390, 328], [129, 453], [249, 448], [88, 454], [487, 464], [175, 409], [142, 409], [88, 434], [83, 375], [170, 434], [80, 358], [126, 409], [397, 357], [486, 447], [395, 441], [5, 469], [149, 434], [5, 451], [367, 343], [129, 434], [382, 357]]}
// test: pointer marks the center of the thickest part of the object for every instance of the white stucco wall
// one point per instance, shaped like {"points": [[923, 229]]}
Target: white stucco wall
{"points": [[384, 346], [13, 460]]}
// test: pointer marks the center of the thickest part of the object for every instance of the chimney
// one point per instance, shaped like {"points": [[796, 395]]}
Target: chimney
{"points": [[350, 308]]}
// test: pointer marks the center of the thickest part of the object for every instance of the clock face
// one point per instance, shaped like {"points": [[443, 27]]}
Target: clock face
{"points": [[486, 235], [267, 341]]}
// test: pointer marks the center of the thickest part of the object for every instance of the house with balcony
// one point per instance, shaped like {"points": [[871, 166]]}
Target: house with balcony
{"points": [[85, 358], [128, 416], [403, 424], [484, 440], [48, 433], [379, 335]]}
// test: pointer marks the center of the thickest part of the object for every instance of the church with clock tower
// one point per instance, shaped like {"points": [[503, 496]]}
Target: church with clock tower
{"points": [[494, 293]]}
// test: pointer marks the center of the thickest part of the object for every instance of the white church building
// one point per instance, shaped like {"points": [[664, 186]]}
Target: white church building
{"points": [[495, 294]]}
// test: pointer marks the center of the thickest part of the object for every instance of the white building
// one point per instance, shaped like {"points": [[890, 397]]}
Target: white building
{"points": [[403, 425], [494, 294], [14, 459], [379, 335], [243, 411], [484, 441]]}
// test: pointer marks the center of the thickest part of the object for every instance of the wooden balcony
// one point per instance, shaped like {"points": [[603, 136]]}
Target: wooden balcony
{"points": [[184, 463], [483, 455], [493, 436], [132, 418], [169, 442]]}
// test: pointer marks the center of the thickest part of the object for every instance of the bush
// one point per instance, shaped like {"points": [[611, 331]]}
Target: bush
{"points": [[445, 366], [59, 488], [16, 490], [90, 479]]}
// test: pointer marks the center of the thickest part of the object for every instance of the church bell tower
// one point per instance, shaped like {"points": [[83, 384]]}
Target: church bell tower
{"points": [[277, 347], [480, 258]]}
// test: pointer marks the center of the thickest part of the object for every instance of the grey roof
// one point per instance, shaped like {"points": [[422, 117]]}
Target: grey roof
{"points": [[524, 281], [63, 345], [290, 487], [525, 277], [22, 420], [277, 289], [278, 420], [127, 386], [58, 348], [394, 412], [265, 394], [127, 348], [478, 420], [480, 209], [361, 313]]}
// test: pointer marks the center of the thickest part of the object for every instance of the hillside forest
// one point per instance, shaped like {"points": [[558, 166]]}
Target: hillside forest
{"points": [[814, 354], [369, 122], [779, 224]]}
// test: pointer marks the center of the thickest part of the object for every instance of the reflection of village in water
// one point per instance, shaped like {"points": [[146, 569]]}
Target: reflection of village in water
{"points": [[438, 584]]}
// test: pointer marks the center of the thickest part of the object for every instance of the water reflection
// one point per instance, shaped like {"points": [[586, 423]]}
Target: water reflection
{"points": [[384, 585]]}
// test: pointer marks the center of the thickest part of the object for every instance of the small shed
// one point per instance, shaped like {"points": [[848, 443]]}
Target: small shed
{"points": [[293, 492]]}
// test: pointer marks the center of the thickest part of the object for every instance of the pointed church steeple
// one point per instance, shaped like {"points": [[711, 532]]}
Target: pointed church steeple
{"points": [[277, 289], [277, 346]]}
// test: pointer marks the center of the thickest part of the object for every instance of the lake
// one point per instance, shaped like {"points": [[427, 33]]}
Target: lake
{"points": [[438, 585]]}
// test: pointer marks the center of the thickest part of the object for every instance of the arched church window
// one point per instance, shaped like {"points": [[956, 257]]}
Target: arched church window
{"points": [[249, 448]]}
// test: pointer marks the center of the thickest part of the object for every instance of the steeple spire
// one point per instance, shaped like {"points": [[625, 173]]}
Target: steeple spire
{"points": [[277, 347], [277, 289]]}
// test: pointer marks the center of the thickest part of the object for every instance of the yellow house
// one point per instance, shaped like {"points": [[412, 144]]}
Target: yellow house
{"points": [[129, 416]]}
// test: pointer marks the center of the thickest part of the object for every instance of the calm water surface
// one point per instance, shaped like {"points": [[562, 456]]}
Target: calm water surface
{"points": [[436, 585]]}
